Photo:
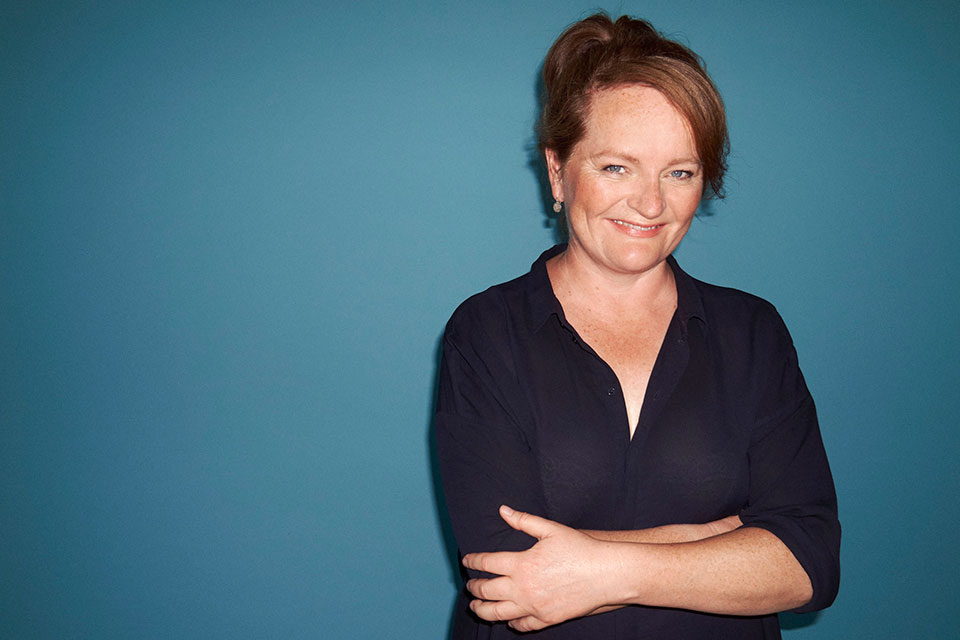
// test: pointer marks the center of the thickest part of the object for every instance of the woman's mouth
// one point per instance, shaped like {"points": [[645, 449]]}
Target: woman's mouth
{"points": [[637, 227]]}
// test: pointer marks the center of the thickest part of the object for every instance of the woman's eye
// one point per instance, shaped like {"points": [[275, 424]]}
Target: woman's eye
{"points": [[614, 168], [682, 174]]}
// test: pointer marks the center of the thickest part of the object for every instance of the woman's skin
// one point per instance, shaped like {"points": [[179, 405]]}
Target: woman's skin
{"points": [[631, 187]]}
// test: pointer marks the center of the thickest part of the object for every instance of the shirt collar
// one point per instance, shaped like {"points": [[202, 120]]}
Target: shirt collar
{"points": [[689, 299], [542, 303]]}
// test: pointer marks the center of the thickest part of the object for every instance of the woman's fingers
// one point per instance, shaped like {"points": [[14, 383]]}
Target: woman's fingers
{"points": [[528, 623], [498, 562], [536, 526], [724, 525], [490, 588], [541, 586], [497, 610]]}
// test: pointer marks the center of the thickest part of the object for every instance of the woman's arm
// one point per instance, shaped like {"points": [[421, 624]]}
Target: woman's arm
{"points": [[670, 532], [569, 574], [665, 534]]}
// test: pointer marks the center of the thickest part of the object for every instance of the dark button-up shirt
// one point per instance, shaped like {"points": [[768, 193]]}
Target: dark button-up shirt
{"points": [[530, 416]]}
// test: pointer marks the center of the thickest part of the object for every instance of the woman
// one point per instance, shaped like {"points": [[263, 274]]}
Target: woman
{"points": [[628, 452]]}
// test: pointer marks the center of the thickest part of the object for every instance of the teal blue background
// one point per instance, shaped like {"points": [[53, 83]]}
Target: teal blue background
{"points": [[231, 234]]}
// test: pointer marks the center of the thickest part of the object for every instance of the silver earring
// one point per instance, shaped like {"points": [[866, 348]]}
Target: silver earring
{"points": [[557, 206]]}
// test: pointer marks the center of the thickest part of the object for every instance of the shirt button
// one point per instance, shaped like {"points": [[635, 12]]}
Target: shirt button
{"points": [[611, 391]]}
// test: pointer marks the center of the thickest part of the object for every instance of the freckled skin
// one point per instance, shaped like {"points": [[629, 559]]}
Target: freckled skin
{"points": [[637, 163]]}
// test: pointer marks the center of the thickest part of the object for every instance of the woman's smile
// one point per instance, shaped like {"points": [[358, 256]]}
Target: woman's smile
{"points": [[638, 230]]}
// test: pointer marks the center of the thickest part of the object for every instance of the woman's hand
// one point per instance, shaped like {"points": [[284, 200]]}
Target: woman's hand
{"points": [[557, 579]]}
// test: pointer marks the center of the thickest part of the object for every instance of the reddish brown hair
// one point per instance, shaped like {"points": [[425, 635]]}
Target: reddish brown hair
{"points": [[598, 53]]}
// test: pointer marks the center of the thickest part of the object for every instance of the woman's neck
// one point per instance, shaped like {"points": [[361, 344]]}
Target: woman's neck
{"points": [[579, 280]]}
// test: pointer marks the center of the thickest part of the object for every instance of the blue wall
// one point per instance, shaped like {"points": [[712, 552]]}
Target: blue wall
{"points": [[231, 233]]}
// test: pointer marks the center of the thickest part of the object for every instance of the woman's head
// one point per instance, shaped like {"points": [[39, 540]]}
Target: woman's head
{"points": [[598, 53]]}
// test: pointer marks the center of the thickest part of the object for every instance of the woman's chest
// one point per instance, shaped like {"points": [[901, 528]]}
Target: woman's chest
{"points": [[630, 352], [686, 462], [626, 339]]}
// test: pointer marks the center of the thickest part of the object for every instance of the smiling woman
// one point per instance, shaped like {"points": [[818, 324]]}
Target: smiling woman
{"points": [[655, 431]]}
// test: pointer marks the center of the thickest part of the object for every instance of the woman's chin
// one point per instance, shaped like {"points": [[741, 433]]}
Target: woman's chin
{"points": [[635, 262]]}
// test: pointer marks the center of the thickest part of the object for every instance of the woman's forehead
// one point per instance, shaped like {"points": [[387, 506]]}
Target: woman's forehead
{"points": [[627, 114]]}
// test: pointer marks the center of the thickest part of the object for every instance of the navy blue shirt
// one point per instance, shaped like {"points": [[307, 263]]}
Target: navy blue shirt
{"points": [[530, 416]]}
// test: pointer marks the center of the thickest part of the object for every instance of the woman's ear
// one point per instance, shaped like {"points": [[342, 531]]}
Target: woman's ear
{"points": [[554, 173]]}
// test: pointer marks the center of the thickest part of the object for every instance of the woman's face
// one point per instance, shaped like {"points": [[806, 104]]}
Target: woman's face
{"points": [[633, 182]]}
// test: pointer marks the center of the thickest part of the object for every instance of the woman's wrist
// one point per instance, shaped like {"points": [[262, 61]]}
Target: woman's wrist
{"points": [[629, 572]]}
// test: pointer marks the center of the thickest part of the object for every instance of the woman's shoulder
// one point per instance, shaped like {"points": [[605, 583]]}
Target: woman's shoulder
{"points": [[516, 305], [738, 315], [489, 311], [749, 337], [729, 300]]}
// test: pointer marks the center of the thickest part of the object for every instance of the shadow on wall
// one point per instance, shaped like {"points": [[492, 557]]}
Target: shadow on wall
{"points": [[457, 575], [537, 166]]}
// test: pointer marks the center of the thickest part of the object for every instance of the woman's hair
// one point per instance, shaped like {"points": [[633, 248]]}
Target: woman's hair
{"points": [[598, 53]]}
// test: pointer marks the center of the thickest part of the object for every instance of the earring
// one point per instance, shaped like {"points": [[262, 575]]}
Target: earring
{"points": [[557, 206]]}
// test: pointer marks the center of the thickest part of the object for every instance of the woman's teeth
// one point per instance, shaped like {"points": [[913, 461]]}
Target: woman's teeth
{"points": [[636, 226]]}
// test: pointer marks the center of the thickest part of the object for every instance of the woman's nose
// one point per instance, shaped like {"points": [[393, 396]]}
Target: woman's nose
{"points": [[647, 199]]}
